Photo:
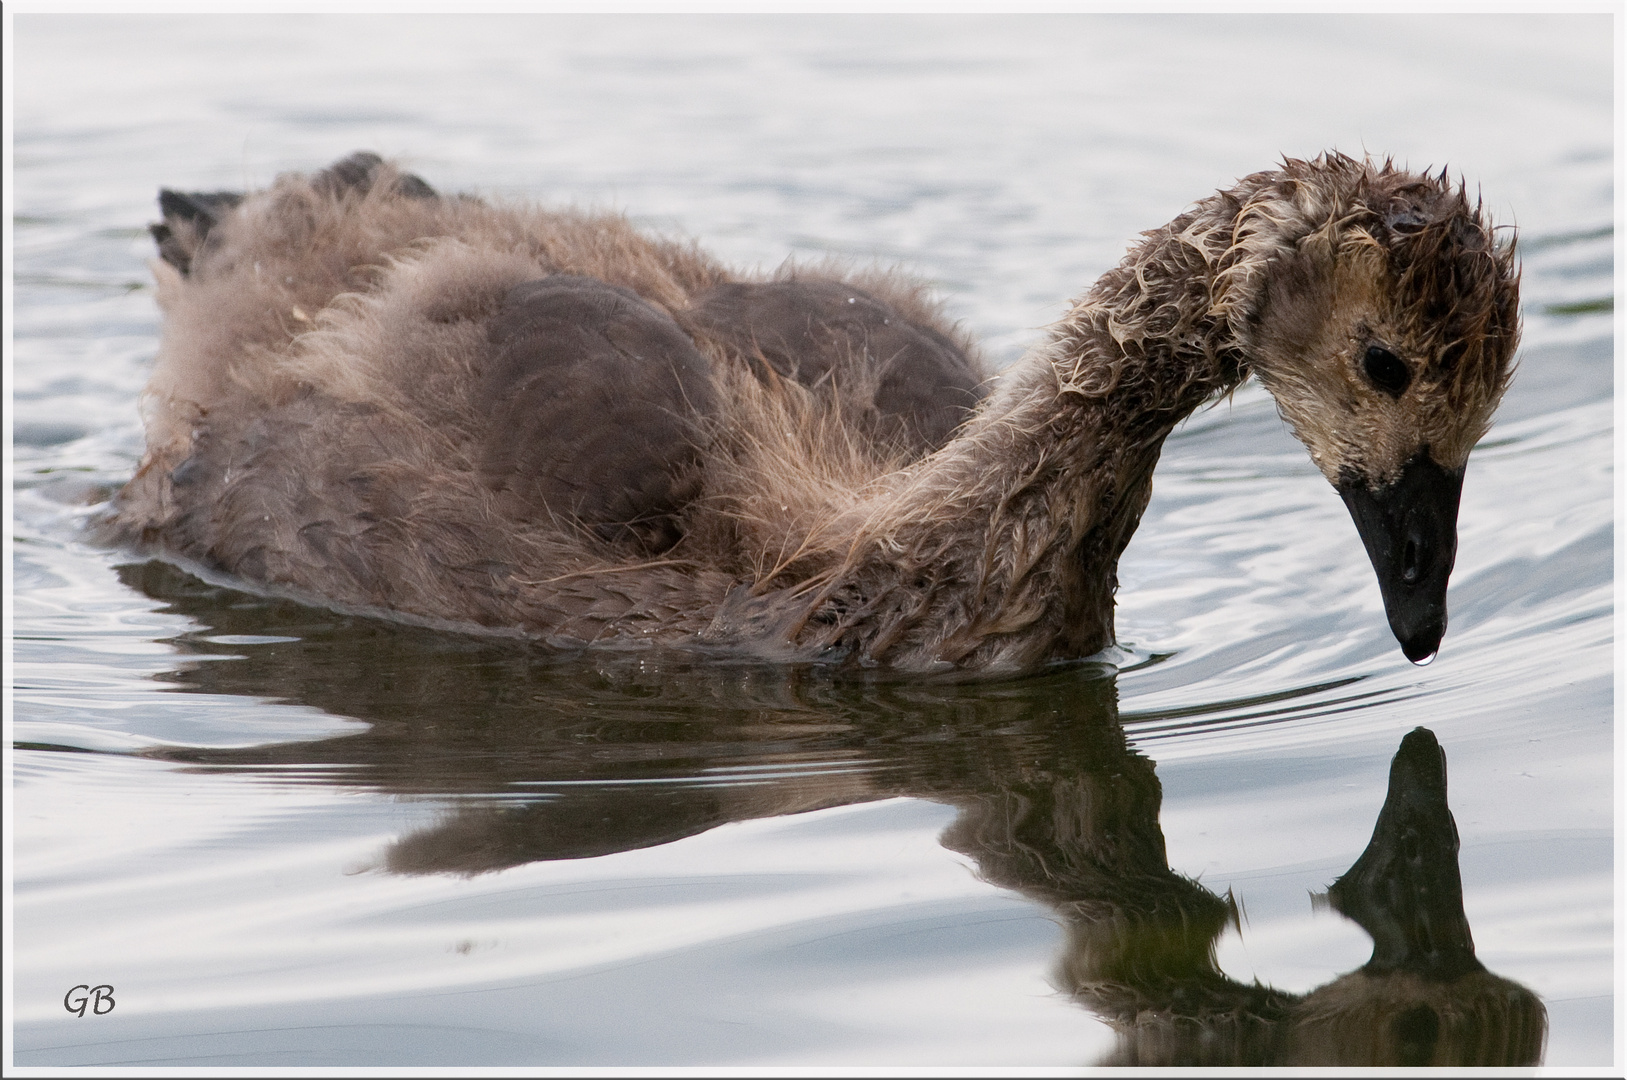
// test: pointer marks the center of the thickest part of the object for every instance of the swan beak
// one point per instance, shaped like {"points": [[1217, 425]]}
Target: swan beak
{"points": [[1410, 529]]}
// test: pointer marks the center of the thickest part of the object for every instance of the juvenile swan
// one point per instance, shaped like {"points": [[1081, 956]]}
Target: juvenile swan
{"points": [[476, 413]]}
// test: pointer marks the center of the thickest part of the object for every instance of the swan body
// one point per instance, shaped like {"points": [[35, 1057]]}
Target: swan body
{"points": [[479, 414]]}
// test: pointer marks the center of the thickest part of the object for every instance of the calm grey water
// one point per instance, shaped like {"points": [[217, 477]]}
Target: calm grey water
{"points": [[288, 837]]}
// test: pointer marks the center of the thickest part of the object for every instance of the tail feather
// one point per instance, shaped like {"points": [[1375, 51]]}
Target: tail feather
{"points": [[189, 215]]}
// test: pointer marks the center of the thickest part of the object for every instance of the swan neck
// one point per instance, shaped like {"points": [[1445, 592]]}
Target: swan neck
{"points": [[1000, 552], [1153, 339]]}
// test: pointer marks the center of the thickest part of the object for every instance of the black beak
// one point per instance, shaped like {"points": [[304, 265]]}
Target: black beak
{"points": [[1410, 529]]}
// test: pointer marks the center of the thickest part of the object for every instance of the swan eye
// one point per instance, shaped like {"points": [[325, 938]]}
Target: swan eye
{"points": [[1386, 370]]}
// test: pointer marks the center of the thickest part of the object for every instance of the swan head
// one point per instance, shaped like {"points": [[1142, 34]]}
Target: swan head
{"points": [[1382, 315]]}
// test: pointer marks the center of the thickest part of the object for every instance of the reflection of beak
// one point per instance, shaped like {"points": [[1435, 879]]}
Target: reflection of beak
{"points": [[1405, 889], [1410, 529]]}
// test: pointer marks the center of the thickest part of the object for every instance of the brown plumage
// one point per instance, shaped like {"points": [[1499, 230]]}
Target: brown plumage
{"points": [[478, 414]]}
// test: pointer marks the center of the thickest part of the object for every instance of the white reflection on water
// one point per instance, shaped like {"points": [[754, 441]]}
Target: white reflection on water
{"points": [[1007, 159]]}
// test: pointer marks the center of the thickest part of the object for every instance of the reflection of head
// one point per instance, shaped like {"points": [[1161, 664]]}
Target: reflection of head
{"points": [[1423, 998], [1141, 938], [1405, 1019]]}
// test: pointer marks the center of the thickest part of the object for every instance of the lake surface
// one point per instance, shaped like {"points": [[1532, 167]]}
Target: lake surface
{"points": [[290, 837]]}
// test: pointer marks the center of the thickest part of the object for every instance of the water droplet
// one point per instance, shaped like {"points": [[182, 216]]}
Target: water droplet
{"points": [[1424, 661]]}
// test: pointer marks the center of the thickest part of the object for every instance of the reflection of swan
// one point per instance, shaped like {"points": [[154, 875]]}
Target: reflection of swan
{"points": [[1053, 803], [383, 398]]}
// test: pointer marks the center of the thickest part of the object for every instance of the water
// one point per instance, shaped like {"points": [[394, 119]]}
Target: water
{"points": [[289, 837]]}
